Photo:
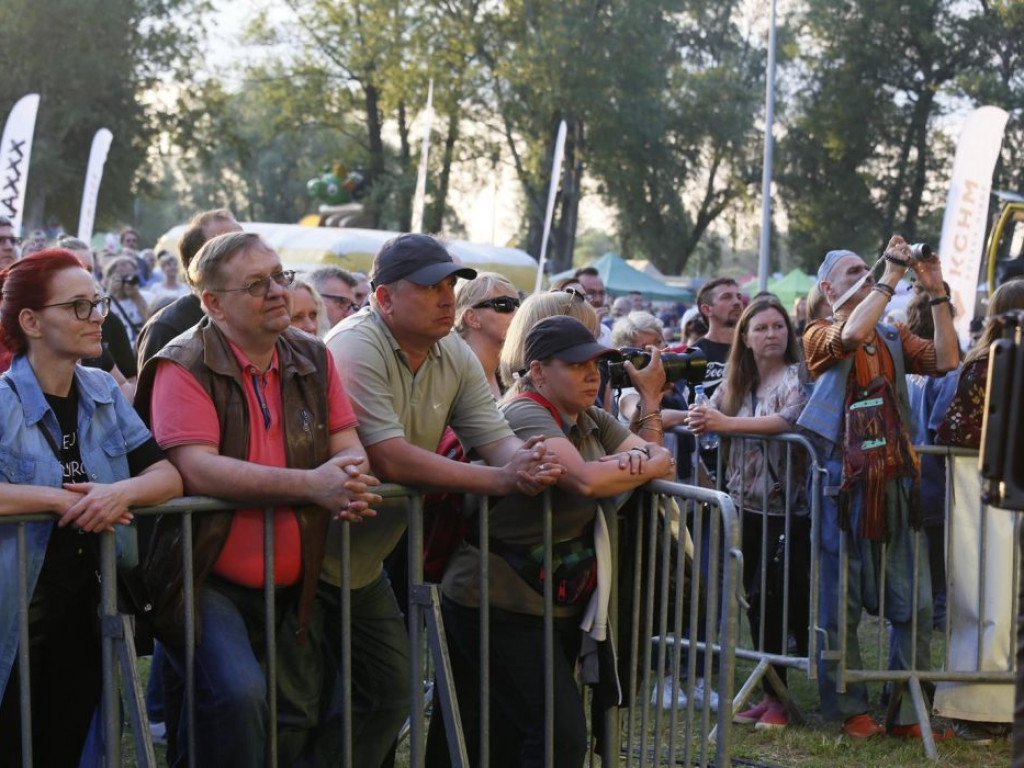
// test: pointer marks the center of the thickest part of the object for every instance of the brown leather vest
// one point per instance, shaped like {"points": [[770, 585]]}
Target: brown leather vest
{"points": [[204, 352]]}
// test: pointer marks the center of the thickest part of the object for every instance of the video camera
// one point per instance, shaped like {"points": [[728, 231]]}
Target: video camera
{"points": [[690, 364]]}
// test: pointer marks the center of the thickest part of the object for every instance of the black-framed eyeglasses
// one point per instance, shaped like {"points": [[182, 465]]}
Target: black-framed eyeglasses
{"points": [[344, 302], [503, 304], [12, 239], [83, 307], [259, 288]]}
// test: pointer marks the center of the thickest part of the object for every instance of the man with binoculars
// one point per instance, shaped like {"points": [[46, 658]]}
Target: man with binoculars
{"points": [[860, 408]]}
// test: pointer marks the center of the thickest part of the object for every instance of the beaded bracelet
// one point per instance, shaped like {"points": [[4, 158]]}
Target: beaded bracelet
{"points": [[939, 300]]}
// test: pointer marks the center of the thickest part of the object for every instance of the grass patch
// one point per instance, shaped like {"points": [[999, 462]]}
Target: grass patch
{"points": [[815, 744]]}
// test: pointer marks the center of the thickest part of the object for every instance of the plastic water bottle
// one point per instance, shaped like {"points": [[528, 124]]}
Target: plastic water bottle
{"points": [[709, 440]]}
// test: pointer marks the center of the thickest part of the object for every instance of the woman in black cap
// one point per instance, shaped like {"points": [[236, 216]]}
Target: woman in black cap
{"points": [[553, 397]]}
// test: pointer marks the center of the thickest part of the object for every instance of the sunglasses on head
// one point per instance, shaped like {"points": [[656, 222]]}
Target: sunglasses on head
{"points": [[575, 293], [502, 304]]}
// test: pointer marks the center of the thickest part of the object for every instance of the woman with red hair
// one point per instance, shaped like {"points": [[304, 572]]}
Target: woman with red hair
{"points": [[70, 446]]}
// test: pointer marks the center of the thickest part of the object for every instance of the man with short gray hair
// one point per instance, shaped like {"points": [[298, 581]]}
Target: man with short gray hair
{"points": [[337, 288], [248, 408]]}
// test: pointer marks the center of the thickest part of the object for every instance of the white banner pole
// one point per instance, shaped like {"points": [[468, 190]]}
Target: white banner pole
{"points": [[963, 225], [556, 172], [93, 176], [419, 200], [15, 153]]}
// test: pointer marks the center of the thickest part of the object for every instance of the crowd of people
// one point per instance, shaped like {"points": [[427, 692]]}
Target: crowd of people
{"points": [[125, 385]]}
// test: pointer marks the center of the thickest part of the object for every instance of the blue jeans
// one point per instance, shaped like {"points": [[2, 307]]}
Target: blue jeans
{"points": [[866, 567], [232, 714]]}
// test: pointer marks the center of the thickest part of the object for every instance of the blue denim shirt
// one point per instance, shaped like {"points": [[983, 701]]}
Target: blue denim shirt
{"points": [[108, 429]]}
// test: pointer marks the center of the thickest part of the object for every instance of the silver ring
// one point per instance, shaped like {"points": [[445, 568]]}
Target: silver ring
{"points": [[543, 467]]}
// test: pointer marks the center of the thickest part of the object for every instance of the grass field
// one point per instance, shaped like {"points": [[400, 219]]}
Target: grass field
{"points": [[816, 743]]}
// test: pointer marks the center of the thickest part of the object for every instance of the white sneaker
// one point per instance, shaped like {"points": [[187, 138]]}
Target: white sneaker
{"points": [[699, 693], [673, 694], [158, 732]]}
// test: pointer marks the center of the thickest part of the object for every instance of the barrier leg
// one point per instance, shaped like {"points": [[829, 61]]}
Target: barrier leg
{"points": [[426, 596], [133, 695]]}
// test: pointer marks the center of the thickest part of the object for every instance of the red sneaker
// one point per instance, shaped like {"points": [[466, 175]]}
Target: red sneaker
{"points": [[752, 715], [913, 731], [775, 717], [862, 727]]}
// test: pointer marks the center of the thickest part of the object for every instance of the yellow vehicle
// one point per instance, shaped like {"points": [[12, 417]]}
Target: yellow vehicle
{"points": [[1004, 255]]}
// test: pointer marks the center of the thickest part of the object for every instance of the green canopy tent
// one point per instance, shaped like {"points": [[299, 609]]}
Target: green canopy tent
{"points": [[787, 288], [620, 278], [792, 286]]}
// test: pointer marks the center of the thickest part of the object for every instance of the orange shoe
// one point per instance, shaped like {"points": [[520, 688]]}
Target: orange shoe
{"points": [[862, 727], [913, 731]]}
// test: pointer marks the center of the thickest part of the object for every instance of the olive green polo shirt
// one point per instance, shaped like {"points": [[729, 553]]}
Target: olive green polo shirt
{"points": [[519, 520], [449, 389]]}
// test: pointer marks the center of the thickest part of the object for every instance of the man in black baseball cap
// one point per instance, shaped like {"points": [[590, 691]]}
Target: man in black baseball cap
{"points": [[417, 258], [408, 378]]}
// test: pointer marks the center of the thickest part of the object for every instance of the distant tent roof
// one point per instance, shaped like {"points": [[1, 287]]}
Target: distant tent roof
{"points": [[620, 278], [790, 287], [306, 248]]}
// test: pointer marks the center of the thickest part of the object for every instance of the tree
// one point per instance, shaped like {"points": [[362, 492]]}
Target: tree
{"points": [[93, 65], [678, 146], [862, 158]]}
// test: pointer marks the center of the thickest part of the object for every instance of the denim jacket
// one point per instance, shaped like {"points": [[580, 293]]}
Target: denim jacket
{"points": [[108, 429]]}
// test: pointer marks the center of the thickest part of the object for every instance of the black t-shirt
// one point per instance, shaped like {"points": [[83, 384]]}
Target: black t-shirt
{"points": [[117, 349], [72, 556], [717, 355]]}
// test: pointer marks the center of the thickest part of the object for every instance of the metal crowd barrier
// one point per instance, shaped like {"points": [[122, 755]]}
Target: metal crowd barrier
{"points": [[753, 649], [913, 678], [627, 731]]}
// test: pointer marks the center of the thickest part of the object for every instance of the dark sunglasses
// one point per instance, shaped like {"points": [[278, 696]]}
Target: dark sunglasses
{"points": [[502, 304], [10, 239]]}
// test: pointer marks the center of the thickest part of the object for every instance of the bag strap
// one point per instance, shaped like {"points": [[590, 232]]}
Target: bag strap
{"points": [[46, 433], [538, 398]]}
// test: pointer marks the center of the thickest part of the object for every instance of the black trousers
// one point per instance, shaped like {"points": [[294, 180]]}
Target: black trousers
{"points": [[799, 543], [66, 672], [517, 686]]}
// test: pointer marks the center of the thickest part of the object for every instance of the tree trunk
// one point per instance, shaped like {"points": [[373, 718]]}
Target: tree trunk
{"points": [[375, 169], [434, 220], [919, 130], [404, 191], [572, 175]]}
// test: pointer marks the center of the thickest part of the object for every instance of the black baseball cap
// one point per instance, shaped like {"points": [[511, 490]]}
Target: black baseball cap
{"points": [[564, 338], [417, 258]]}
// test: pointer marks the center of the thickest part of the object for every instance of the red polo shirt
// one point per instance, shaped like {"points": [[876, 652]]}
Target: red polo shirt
{"points": [[184, 414]]}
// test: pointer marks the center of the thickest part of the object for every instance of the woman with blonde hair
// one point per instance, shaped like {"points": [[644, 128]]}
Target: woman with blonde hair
{"points": [[537, 307], [307, 309], [555, 396], [484, 308]]}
